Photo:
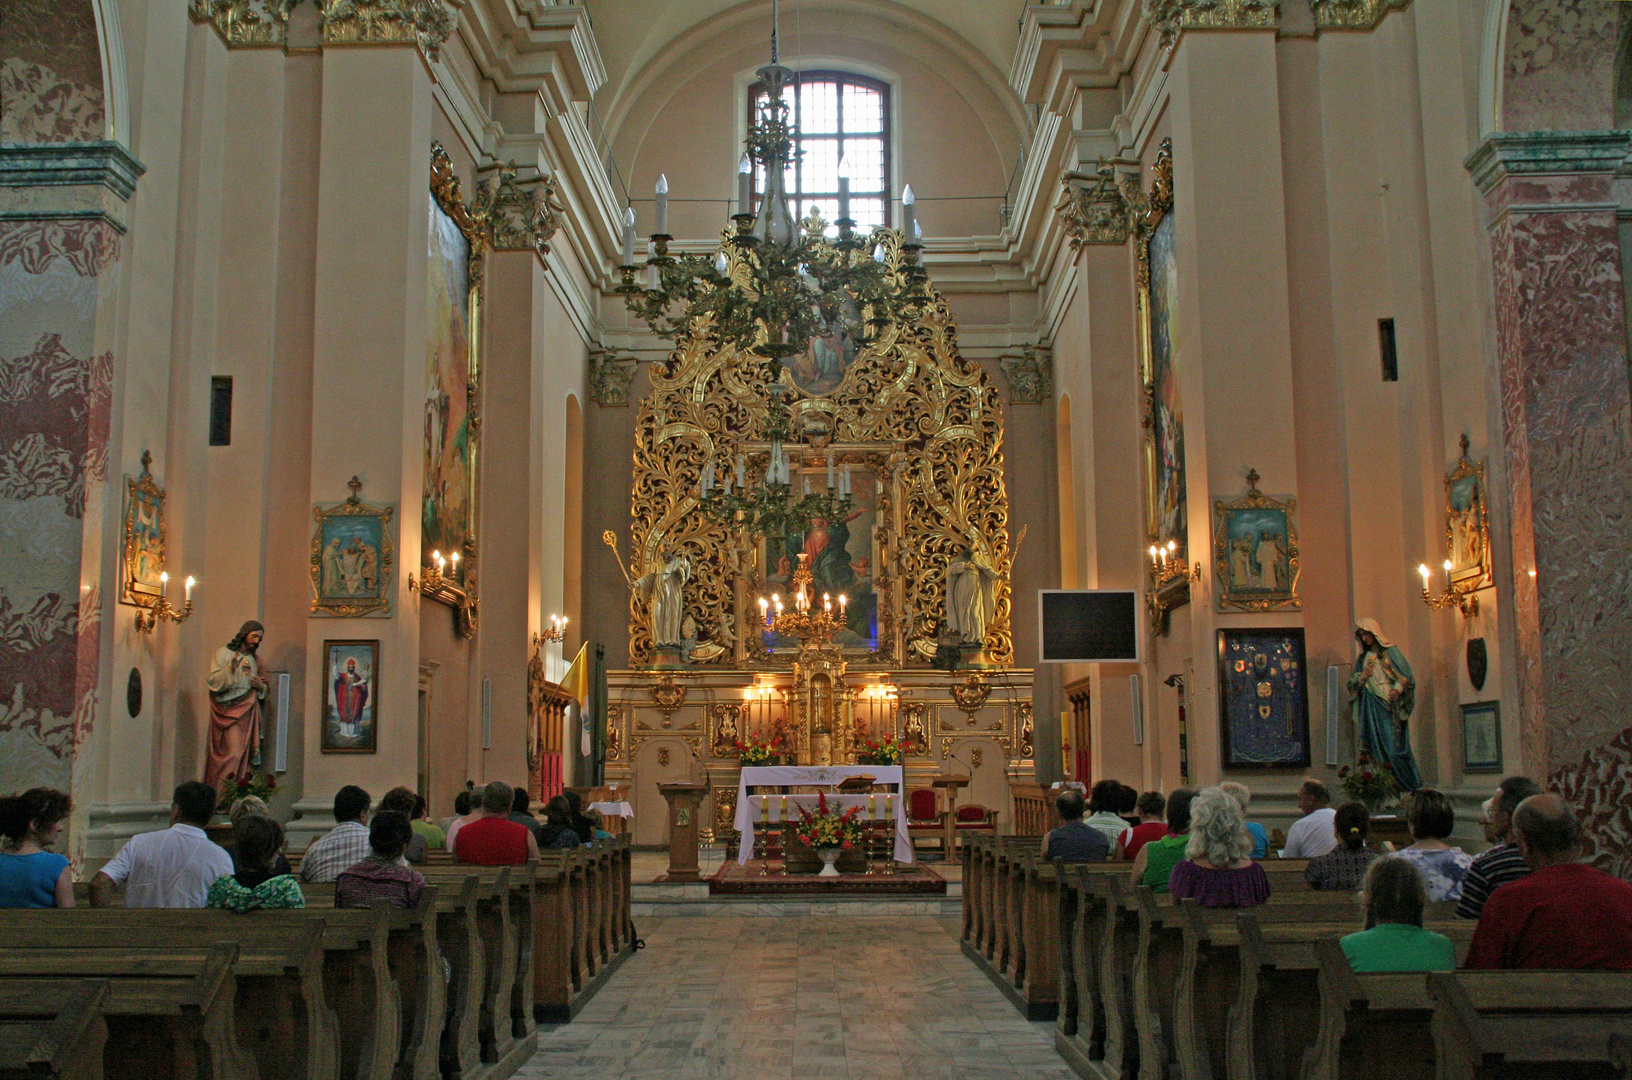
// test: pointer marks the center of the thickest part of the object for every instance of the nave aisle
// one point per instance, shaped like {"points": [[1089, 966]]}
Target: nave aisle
{"points": [[788, 998]]}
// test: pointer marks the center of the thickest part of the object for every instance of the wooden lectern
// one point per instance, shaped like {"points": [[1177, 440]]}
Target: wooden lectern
{"points": [[685, 823], [950, 784]]}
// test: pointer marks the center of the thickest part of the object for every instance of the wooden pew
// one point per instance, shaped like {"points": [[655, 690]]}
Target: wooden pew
{"points": [[359, 987], [1399, 1025], [52, 1028], [281, 1011], [496, 936], [415, 970]]}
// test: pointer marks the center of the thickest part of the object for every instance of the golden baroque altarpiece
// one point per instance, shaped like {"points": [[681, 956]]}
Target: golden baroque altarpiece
{"points": [[923, 429]]}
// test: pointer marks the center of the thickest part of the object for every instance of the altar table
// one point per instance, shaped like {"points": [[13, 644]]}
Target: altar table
{"points": [[828, 776]]}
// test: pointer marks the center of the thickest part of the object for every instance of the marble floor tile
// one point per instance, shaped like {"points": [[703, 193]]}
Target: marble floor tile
{"points": [[788, 998]]}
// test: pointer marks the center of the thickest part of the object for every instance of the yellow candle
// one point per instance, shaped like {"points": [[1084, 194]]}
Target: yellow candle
{"points": [[872, 808]]}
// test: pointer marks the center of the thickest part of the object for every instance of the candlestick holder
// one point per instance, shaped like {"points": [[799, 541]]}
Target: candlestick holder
{"points": [[808, 623], [556, 631], [1465, 602], [148, 619]]}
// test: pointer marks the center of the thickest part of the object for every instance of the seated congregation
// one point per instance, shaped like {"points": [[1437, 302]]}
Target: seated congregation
{"points": [[1330, 955], [386, 948]]}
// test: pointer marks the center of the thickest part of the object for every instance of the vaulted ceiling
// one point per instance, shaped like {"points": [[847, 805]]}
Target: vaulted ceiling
{"points": [[631, 33]]}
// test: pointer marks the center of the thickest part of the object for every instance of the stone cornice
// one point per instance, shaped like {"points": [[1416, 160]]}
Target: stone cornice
{"points": [[530, 45], [1171, 18], [67, 180], [1546, 153], [1352, 14], [423, 23]]}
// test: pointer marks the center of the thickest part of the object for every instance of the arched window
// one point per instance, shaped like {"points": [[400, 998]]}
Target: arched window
{"points": [[838, 115]]}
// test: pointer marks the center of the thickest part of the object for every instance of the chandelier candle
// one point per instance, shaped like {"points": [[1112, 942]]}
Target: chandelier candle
{"points": [[662, 205]]}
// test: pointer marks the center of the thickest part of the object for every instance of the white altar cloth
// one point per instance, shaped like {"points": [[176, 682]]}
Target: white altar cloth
{"points": [[613, 809], [828, 776]]}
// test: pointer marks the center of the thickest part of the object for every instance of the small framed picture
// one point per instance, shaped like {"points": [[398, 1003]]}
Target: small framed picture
{"points": [[351, 679], [1482, 737]]}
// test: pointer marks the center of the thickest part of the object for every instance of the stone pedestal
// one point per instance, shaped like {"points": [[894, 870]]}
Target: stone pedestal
{"points": [[685, 823]]}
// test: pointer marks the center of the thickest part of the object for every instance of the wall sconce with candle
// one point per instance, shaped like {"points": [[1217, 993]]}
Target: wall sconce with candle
{"points": [[147, 619], [1465, 602], [1170, 580], [444, 582], [557, 629]]}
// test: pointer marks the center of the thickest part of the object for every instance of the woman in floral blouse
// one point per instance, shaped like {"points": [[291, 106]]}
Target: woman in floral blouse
{"points": [[1442, 866], [257, 884]]}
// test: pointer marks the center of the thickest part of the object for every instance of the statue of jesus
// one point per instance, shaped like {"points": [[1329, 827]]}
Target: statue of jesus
{"points": [[236, 693]]}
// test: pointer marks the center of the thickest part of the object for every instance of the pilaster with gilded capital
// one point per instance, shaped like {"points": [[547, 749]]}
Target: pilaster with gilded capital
{"points": [[1173, 17], [1030, 374], [262, 23], [425, 23], [518, 215]]}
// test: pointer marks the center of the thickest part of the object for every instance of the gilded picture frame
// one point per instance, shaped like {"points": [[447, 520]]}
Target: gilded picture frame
{"points": [[1467, 524], [1255, 551], [1482, 737], [351, 682], [353, 559], [449, 512], [1163, 420], [141, 549]]}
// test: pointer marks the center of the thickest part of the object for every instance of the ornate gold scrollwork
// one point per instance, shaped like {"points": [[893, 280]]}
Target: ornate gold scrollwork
{"points": [[914, 735], [1023, 744], [245, 22], [668, 696], [615, 715], [971, 693], [928, 422], [1172, 17], [1097, 213], [725, 812], [425, 23], [517, 216], [1352, 14], [726, 723]]}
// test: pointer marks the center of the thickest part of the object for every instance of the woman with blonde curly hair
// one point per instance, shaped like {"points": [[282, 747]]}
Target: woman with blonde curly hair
{"points": [[1217, 870]]}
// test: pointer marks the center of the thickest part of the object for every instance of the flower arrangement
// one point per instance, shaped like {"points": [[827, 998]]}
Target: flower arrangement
{"points": [[828, 828], [886, 751], [1366, 782], [754, 752], [234, 788]]}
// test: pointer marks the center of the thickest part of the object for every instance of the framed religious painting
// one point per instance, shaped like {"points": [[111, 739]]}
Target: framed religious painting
{"points": [[1482, 737], [351, 679], [843, 550], [1166, 488], [1467, 525], [353, 558], [141, 551], [1255, 551], [1263, 700], [452, 423]]}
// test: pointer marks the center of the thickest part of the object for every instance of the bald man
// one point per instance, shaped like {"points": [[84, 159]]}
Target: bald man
{"points": [[1565, 914]]}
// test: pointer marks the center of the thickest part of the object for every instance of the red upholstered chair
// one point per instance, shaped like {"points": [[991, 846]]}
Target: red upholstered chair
{"points": [[976, 818], [924, 818]]}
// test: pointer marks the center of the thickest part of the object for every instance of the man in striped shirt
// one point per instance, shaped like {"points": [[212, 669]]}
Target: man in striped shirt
{"points": [[1502, 862]]}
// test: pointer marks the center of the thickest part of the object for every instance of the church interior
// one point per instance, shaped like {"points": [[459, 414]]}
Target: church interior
{"points": [[760, 417]]}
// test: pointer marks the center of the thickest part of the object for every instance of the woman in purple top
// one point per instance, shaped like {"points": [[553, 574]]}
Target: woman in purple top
{"points": [[1217, 871]]}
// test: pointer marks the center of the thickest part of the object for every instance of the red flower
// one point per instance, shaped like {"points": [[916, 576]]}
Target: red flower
{"points": [[846, 846]]}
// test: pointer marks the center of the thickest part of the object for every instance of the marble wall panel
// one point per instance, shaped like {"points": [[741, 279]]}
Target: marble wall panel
{"points": [[55, 411], [1560, 65], [50, 72]]}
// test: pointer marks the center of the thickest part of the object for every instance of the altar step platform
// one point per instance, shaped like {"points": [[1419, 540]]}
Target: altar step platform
{"points": [[745, 891]]}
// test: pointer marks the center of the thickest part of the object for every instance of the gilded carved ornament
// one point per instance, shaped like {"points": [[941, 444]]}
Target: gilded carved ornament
{"points": [[245, 22], [926, 422], [1172, 17], [1097, 212], [1352, 14], [1030, 374], [609, 378], [425, 23], [517, 215]]}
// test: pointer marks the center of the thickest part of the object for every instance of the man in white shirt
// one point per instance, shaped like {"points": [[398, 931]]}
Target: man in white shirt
{"points": [[168, 868], [343, 846], [1312, 834]]}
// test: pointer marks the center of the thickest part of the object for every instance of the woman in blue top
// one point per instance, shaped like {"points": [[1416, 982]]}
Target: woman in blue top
{"points": [[31, 875]]}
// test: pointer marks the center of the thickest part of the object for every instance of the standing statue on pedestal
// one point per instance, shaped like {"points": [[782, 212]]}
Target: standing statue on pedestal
{"points": [[662, 590], [1384, 695], [971, 595], [236, 693]]}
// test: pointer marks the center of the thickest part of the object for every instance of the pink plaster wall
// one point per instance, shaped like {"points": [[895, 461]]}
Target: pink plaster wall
{"points": [[1559, 73]]}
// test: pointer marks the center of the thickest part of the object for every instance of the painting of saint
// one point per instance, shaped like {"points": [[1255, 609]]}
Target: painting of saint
{"points": [[1167, 414], [144, 538], [1259, 552], [351, 557], [841, 562], [448, 430], [1466, 520], [350, 713], [820, 369]]}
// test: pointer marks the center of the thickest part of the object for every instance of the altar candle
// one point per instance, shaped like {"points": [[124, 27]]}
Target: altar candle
{"points": [[765, 610], [843, 600], [827, 602], [830, 470], [765, 808], [708, 477], [455, 559], [888, 802], [740, 467], [784, 808], [872, 808]]}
